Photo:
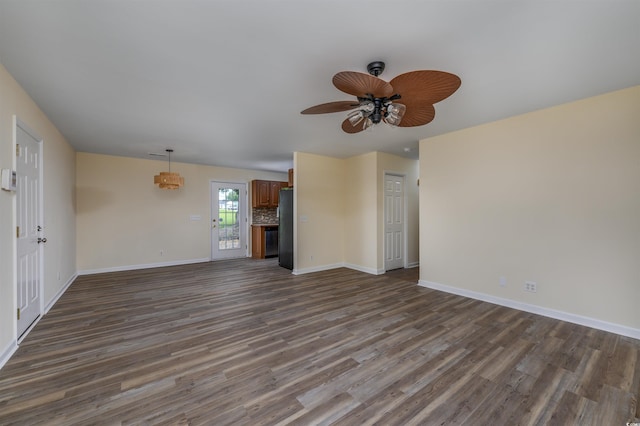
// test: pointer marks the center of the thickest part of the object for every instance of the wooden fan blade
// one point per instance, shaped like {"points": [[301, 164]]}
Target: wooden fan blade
{"points": [[348, 128], [417, 114], [361, 85], [337, 106], [425, 86]]}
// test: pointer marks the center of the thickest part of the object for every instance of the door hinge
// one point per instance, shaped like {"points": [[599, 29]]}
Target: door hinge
{"points": [[17, 150], [18, 313], [17, 232]]}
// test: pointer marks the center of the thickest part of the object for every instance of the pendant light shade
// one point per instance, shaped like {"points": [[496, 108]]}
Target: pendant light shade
{"points": [[168, 180]]}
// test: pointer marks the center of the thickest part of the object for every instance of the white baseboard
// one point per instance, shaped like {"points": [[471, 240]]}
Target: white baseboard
{"points": [[59, 294], [535, 309], [413, 265], [6, 354], [364, 269], [317, 269], [142, 266]]}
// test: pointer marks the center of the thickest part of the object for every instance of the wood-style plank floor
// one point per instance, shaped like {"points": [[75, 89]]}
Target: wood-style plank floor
{"points": [[244, 342]]}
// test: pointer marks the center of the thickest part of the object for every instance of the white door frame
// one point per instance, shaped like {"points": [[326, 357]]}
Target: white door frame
{"points": [[17, 123], [404, 218], [244, 220]]}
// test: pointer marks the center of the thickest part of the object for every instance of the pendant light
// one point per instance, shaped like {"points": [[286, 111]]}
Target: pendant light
{"points": [[169, 180]]}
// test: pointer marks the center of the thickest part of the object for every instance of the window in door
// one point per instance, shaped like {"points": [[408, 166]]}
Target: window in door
{"points": [[228, 220]]}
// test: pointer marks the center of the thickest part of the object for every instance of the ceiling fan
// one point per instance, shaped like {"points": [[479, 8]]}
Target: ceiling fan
{"points": [[405, 101]]}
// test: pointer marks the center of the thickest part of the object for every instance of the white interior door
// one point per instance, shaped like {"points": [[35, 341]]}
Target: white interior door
{"points": [[228, 220], [29, 227], [393, 222]]}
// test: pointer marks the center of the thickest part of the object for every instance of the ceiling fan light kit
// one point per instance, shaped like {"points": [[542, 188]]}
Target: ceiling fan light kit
{"points": [[168, 180], [405, 101], [394, 114]]}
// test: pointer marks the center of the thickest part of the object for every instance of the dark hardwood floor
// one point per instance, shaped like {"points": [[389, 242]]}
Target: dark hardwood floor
{"points": [[244, 342]]}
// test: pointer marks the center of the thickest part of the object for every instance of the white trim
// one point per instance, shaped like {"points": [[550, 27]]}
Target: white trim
{"points": [[59, 294], [317, 269], [143, 266], [8, 352], [14, 244], [413, 265], [535, 309], [365, 269]]}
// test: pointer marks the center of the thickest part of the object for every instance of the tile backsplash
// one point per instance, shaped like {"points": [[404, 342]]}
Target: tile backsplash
{"points": [[264, 215]]}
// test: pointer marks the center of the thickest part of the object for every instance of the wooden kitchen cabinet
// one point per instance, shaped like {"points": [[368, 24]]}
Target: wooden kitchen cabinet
{"points": [[257, 242], [275, 192], [260, 193], [264, 241], [266, 193]]}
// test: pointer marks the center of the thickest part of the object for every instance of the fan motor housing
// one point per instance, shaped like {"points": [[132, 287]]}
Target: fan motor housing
{"points": [[375, 68]]}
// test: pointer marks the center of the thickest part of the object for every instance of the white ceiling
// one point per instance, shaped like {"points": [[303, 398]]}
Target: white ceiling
{"points": [[223, 81]]}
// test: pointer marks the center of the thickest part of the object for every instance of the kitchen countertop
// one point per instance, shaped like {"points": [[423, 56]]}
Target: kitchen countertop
{"points": [[264, 224]]}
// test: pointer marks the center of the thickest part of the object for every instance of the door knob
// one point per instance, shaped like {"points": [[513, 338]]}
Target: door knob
{"points": [[42, 240]]}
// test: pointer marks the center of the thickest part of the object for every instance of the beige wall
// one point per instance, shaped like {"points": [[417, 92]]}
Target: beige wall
{"points": [[319, 208], [58, 201], [343, 202], [362, 217], [551, 197], [125, 221]]}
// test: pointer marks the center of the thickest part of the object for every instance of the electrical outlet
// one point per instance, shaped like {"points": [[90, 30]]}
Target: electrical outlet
{"points": [[530, 286], [161, 252], [503, 281]]}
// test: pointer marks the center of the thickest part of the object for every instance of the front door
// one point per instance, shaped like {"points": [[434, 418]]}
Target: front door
{"points": [[393, 222], [29, 226], [228, 220]]}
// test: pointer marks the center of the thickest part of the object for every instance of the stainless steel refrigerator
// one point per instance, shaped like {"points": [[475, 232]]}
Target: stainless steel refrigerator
{"points": [[285, 229]]}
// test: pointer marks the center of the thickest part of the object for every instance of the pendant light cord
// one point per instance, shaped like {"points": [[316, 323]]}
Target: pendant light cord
{"points": [[169, 151]]}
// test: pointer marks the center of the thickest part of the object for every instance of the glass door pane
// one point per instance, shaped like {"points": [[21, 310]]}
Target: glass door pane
{"points": [[228, 221]]}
